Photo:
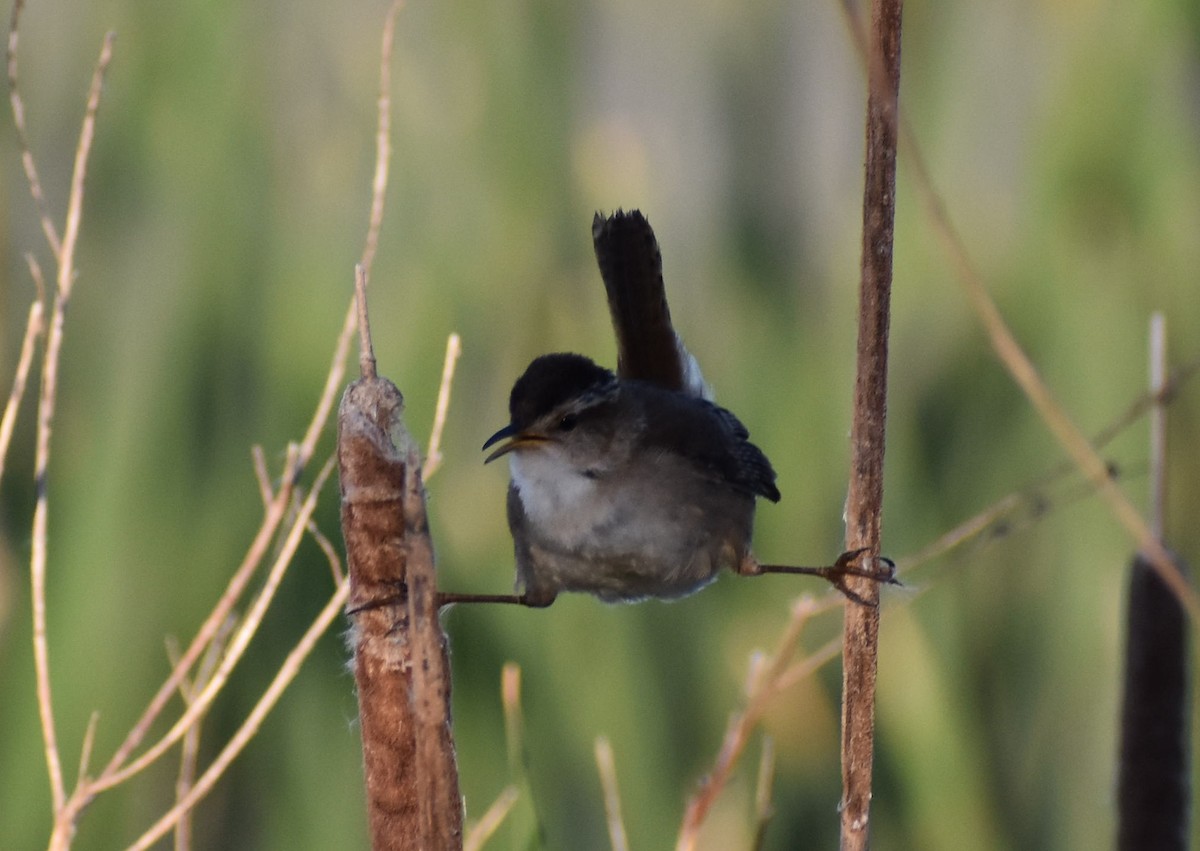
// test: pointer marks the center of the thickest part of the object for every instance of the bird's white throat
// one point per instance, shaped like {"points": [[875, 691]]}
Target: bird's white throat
{"points": [[556, 496]]}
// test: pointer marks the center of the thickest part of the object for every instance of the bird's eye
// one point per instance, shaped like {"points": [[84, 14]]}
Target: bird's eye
{"points": [[568, 422]]}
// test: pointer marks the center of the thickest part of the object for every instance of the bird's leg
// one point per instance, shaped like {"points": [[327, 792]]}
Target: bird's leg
{"points": [[835, 574], [538, 601], [533, 601], [395, 598]]}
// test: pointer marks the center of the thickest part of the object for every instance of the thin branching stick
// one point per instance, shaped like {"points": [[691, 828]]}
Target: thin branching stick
{"points": [[189, 751], [298, 455], [64, 251], [491, 820], [764, 790], [1031, 497], [283, 678], [258, 459], [257, 551], [767, 681], [115, 772], [64, 280], [527, 828], [433, 458], [85, 750], [762, 685], [18, 111], [607, 767], [1082, 452], [34, 326], [383, 138], [278, 504], [514, 722], [237, 644], [1023, 371], [330, 552], [383, 150]]}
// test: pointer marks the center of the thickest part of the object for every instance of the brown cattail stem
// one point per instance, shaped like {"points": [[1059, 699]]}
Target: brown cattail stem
{"points": [[401, 665]]}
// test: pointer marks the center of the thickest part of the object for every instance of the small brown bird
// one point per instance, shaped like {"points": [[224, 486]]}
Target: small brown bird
{"points": [[634, 484]]}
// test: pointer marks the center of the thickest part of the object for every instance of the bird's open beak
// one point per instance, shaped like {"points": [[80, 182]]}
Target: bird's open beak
{"points": [[513, 440]]}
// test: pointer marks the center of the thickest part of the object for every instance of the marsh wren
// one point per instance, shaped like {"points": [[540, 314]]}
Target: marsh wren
{"points": [[633, 484]]}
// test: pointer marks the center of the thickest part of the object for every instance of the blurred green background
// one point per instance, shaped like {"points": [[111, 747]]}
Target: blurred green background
{"points": [[227, 203]]}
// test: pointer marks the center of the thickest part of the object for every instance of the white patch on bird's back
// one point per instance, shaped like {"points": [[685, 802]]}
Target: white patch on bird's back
{"points": [[693, 379]]}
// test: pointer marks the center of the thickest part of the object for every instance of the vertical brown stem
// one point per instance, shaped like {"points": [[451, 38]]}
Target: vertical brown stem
{"points": [[400, 661], [865, 500]]}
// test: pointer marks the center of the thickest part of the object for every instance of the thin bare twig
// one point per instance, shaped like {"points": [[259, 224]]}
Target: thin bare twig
{"points": [[1023, 371], [40, 290], [237, 645], [510, 703], [1145, 402], [330, 551], [527, 821], [366, 348], [1052, 413], [433, 459], [276, 510], [46, 408], [764, 790], [607, 768], [383, 138], [189, 751], [333, 382], [256, 552], [383, 150], [298, 454], [804, 668], [1030, 496], [66, 255], [767, 681], [277, 505], [33, 329], [283, 678], [763, 684], [491, 820], [18, 111], [85, 750], [261, 475]]}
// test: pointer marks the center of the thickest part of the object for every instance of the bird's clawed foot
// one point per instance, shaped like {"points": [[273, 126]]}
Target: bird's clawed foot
{"points": [[883, 570]]}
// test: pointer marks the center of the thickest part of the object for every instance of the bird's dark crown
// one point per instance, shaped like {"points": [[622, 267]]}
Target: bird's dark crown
{"points": [[552, 380]]}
